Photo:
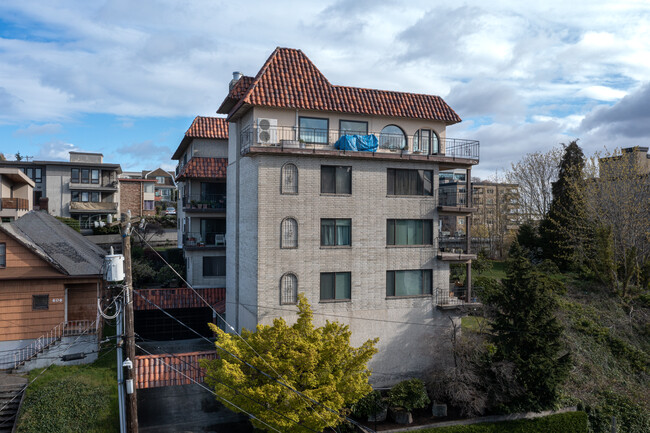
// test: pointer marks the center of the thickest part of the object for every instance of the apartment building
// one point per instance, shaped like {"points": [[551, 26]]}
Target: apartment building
{"points": [[165, 186], [201, 210], [16, 194], [138, 196], [332, 192], [84, 188]]}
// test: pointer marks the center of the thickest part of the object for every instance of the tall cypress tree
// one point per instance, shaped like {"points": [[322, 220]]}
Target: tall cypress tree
{"points": [[560, 229]]}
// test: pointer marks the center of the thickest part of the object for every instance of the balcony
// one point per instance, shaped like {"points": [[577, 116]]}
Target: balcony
{"points": [[455, 297], [205, 203], [196, 240], [105, 186], [91, 207], [455, 202], [14, 203], [310, 140]]}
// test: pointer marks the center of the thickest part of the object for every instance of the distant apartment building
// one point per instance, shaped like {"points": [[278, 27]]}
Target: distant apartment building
{"points": [[84, 188], [138, 196], [202, 159], [16, 194], [333, 192], [636, 159], [165, 186]]}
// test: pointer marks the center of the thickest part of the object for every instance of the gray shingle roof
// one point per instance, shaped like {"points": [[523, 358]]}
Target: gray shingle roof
{"points": [[63, 247]]}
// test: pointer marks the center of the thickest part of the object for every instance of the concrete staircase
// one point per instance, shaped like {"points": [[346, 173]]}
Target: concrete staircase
{"points": [[11, 396]]}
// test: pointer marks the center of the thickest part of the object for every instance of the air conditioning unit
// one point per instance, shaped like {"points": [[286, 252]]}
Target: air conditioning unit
{"points": [[267, 131]]}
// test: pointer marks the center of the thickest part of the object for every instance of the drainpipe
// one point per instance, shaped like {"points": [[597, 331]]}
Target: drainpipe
{"points": [[468, 234]]}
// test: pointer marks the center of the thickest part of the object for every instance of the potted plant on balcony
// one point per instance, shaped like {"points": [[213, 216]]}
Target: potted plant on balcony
{"points": [[406, 396]]}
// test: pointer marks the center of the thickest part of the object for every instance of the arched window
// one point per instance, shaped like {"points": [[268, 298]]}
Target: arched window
{"points": [[426, 141], [289, 289], [289, 233], [392, 137], [289, 179]]}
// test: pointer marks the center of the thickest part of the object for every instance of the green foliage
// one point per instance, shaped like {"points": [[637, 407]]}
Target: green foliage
{"points": [[526, 331], [70, 222], [630, 418], [409, 394], [142, 273], [319, 362], [570, 422], [106, 230], [548, 267], [528, 238], [482, 264], [369, 405]]}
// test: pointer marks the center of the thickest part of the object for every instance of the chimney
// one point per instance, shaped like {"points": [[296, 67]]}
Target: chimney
{"points": [[235, 77]]}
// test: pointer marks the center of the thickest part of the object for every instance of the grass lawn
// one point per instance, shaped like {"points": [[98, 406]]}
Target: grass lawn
{"points": [[75, 398], [498, 271], [473, 323]]}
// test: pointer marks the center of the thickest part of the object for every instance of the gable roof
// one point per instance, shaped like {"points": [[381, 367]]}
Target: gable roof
{"points": [[203, 127], [289, 79], [56, 243], [204, 167]]}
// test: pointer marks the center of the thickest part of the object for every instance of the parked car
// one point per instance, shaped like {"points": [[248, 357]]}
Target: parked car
{"points": [[170, 211]]}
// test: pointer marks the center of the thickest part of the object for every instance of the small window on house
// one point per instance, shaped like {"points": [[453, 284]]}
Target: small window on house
{"points": [[74, 196], [40, 302], [74, 175], [425, 141], [85, 175], [289, 289], [3, 255], [84, 196], [353, 127], [149, 205], [148, 187], [408, 283], [94, 176], [335, 286], [94, 197], [392, 137], [289, 179], [160, 179], [335, 179], [214, 266], [38, 175], [335, 232], [289, 235]]}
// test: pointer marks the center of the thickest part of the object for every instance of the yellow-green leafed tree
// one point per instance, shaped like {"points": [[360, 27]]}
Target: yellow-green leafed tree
{"points": [[317, 362]]}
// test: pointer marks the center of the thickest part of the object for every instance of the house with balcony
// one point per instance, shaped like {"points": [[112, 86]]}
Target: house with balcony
{"points": [[165, 186], [84, 188], [202, 159], [333, 192], [16, 194]]}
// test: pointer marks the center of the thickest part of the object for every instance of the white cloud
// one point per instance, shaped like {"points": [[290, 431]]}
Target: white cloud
{"points": [[55, 151], [602, 93]]}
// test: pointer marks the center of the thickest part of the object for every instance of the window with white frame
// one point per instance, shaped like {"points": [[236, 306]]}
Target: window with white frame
{"points": [[289, 179], [288, 289], [289, 235]]}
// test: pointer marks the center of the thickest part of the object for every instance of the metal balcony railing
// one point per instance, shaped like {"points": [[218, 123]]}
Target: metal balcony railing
{"points": [[207, 239], [454, 296], [454, 198], [324, 139], [205, 202]]}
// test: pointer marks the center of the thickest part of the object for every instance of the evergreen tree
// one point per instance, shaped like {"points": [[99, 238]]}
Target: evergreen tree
{"points": [[526, 332], [559, 229]]}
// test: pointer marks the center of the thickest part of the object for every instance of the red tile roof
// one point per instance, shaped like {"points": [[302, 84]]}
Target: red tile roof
{"points": [[289, 79], [204, 167], [203, 127]]}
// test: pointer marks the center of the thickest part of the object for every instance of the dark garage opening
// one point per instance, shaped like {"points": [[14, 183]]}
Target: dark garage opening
{"points": [[156, 325]]}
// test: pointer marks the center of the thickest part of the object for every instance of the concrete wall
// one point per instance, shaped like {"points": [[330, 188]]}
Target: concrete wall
{"points": [[194, 263]]}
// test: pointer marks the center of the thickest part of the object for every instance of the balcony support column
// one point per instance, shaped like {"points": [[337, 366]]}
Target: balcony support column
{"points": [[468, 235]]}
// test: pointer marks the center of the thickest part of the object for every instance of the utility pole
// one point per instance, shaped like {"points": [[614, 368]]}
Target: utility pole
{"points": [[132, 401]]}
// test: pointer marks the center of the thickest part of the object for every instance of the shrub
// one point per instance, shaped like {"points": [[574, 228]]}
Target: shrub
{"points": [[368, 405], [70, 222], [570, 422], [630, 417], [409, 394]]}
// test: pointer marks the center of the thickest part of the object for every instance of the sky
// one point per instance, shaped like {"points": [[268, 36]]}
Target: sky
{"points": [[126, 78]]}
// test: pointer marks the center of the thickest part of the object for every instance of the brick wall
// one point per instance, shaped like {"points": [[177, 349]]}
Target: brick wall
{"points": [[131, 193]]}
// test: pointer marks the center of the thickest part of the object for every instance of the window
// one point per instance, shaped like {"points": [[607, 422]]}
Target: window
{"points": [[40, 302], [425, 141], [214, 266], [160, 179], [3, 255], [74, 175], [94, 176], [313, 130], [408, 283], [148, 187], [335, 179], [334, 286], [352, 127], [85, 175], [149, 205], [409, 232], [490, 191], [94, 197], [392, 137], [289, 289], [289, 179], [84, 195], [74, 195], [335, 232], [166, 193], [289, 238], [410, 182], [38, 175]]}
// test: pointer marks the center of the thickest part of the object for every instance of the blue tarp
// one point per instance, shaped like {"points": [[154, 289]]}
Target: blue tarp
{"points": [[362, 143]]}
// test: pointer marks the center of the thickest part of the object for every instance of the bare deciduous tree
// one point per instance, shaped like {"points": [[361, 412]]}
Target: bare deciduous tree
{"points": [[535, 173]]}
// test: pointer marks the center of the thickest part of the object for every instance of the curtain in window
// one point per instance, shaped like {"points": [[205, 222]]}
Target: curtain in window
{"points": [[402, 182], [408, 283], [343, 180], [343, 232], [343, 285]]}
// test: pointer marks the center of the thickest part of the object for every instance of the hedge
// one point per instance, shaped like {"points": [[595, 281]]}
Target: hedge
{"points": [[570, 422]]}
